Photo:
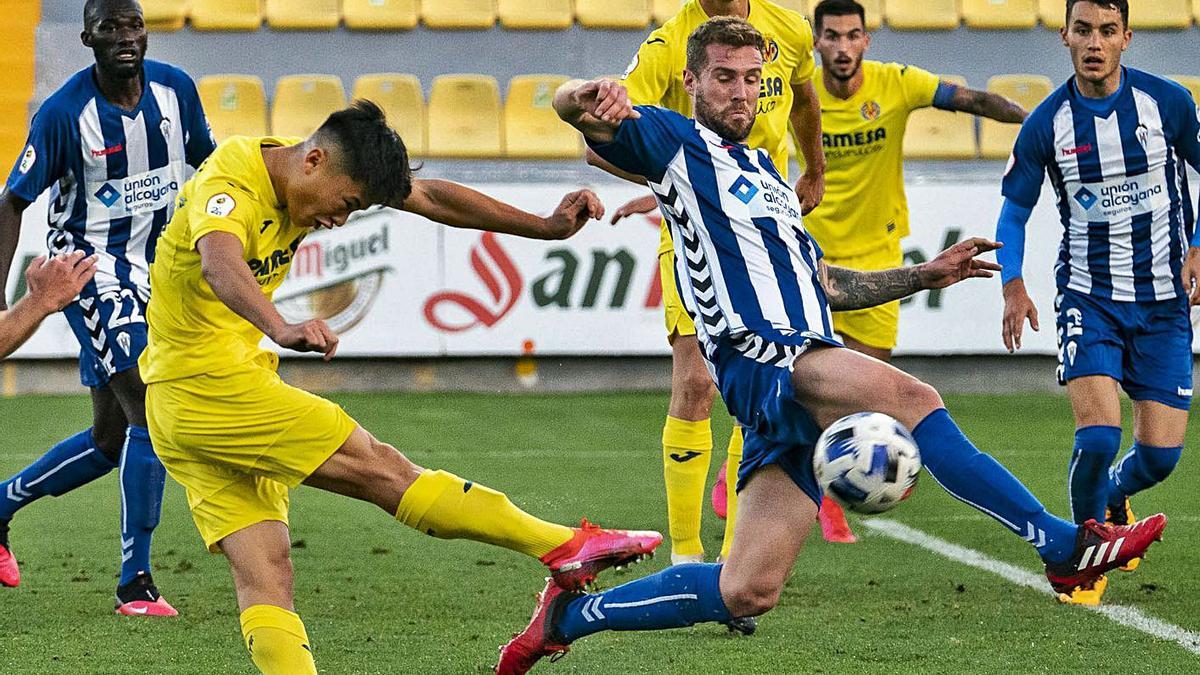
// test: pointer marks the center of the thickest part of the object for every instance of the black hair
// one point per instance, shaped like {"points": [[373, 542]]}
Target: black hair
{"points": [[371, 153], [722, 30], [92, 7], [837, 8], [1119, 5]]}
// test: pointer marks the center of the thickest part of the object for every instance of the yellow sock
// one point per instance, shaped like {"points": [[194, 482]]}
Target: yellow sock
{"points": [[277, 641], [732, 461], [687, 452], [445, 506]]}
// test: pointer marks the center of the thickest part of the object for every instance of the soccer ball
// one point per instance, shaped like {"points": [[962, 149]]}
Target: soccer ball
{"points": [[867, 461]]}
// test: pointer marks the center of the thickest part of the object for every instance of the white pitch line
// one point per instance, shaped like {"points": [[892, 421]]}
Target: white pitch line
{"points": [[1130, 617]]}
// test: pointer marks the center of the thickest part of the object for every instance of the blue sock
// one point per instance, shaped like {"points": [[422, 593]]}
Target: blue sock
{"points": [[678, 596], [1087, 479], [1142, 467], [975, 478], [142, 478], [70, 464]]}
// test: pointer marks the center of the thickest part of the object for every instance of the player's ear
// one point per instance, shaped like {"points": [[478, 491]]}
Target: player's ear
{"points": [[315, 158], [1062, 33], [689, 81], [86, 38]]}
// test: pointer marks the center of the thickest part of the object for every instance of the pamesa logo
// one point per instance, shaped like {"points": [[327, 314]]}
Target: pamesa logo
{"points": [[1086, 198]]}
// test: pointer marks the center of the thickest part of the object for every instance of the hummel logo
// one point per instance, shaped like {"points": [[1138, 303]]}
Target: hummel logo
{"points": [[685, 457], [1183, 392]]}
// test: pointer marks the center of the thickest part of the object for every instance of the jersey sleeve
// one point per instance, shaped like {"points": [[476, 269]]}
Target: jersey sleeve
{"points": [[43, 160], [198, 138], [649, 73], [1027, 166], [217, 207], [645, 146], [919, 86], [806, 65], [1187, 140]]}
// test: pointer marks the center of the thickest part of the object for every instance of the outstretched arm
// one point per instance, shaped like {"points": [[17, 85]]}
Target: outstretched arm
{"points": [[987, 104], [52, 284], [456, 205], [594, 107], [852, 289]]}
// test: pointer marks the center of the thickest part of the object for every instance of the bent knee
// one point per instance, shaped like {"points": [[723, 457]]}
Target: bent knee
{"points": [[751, 599], [914, 393]]}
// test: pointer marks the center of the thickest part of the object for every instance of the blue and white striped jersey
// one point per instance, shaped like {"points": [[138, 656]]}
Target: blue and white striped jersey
{"points": [[1117, 167], [744, 263], [114, 174]]}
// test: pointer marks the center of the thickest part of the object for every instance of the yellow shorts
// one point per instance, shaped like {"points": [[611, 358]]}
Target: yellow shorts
{"points": [[877, 326], [679, 322], [238, 440]]}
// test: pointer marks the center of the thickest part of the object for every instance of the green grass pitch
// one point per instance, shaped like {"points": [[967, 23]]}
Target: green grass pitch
{"points": [[379, 598]]}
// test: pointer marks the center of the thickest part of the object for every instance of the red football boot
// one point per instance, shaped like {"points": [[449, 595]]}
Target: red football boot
{"points": [[833, 523], [1100, 548], [10, 574], [575, 564], [538, 639], [720, 494]]}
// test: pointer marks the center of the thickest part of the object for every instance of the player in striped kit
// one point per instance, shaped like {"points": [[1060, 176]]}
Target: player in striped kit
{"points": [[113, 145], [761, 297], [1114, 141]]}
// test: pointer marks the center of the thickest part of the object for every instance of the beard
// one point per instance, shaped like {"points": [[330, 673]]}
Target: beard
{"points": [[730, 131], [854, 67]]}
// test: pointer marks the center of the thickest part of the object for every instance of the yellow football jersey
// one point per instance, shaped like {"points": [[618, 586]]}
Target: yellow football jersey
{"points": [[190, 330], [655, 76], [865, 206]]}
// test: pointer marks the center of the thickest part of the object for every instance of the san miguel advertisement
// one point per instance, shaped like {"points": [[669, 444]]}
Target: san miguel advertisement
{"points": [[394, 284]]}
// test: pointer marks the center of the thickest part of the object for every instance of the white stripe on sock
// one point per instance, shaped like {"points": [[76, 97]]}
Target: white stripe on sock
{"points": [[53, 471], [651, 601]]}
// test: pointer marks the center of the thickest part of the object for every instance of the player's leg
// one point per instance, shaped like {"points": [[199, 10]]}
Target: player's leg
{"points": [[832, 383], [260, 561], [1096, 404], [687, 433], [729, 473], [441, 504], [776, 516], [1158, 377]]}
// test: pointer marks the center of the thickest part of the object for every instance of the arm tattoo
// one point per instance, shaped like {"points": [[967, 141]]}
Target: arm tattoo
{"points": [[851, 289], [988, 104]]}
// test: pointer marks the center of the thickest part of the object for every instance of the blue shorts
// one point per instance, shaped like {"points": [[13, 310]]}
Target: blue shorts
{"points": [[756, 385], [1146, 346], [111, 329]]}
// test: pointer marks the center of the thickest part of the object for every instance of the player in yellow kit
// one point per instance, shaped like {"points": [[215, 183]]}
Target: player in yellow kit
{"points": [[655, 77], [864, 109], [238, 438]]}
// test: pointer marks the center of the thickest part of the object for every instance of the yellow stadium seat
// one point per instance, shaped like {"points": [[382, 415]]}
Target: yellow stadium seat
{"points": [[226, 15], [302, 102], [164, 15], [613, 13], [1196, 11], [536, 14], [531, 127], [1053, 13], [401, 98], [665, 9], [995, 138], [922, 14], [1192, 83], [459, 14], [234, 104], [380, 14], [464, 117], [303, 14], [1000, 13], [941, 134], [1160, 14]]}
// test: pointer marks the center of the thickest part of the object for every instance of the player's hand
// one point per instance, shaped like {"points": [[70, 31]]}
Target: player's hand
{"points": [[311, 336], [645, 204], [606, 100], [573, 212], [56, 281], [1191, 275], [811, 190], [959, 262], [1018, 307]]}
